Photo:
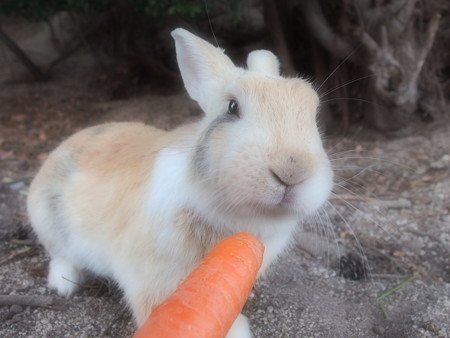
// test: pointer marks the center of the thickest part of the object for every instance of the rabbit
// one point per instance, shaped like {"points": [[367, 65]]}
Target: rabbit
{"points": [[142, 206]]}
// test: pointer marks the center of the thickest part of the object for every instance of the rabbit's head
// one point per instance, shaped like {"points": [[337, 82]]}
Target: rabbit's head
{"points": [[259, 151]]}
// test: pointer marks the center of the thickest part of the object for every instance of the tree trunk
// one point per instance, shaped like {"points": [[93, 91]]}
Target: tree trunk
{"points": [[277, 35], [393, 49]]}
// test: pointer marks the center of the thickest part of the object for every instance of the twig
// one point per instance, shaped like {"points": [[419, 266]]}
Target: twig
{"points": [[22, 252], [353, 198], [27, 300], [28, 241], [385, 276]]}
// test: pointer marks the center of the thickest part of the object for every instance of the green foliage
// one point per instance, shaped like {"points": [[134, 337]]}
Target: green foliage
{"points": [[155, 10], [45, 9]]}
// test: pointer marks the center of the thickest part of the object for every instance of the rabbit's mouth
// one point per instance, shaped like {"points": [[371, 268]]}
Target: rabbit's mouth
{"points": [[287, 197], [304, 198]]}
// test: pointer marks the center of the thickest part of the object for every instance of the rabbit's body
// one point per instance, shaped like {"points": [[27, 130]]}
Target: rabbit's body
{"points": [[75, 211], [143, 206], [74, 203]]}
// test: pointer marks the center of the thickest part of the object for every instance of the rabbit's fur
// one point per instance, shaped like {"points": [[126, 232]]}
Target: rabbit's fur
{"points": [[143, 206]]}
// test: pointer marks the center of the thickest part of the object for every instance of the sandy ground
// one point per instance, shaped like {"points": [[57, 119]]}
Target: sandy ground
{"points": [[388, 219]]}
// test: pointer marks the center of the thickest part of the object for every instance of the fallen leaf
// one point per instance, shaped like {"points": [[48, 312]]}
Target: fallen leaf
{"points": [[345, 233], [4, 155], [42, 136], [42, 156], [398, 253], [18, 117]]}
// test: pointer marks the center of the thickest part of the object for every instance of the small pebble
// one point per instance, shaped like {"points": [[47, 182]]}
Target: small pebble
{"points": [[431, 326], [16, 308], [378, 330], [18, 317], [16, 186], [442, 163]]}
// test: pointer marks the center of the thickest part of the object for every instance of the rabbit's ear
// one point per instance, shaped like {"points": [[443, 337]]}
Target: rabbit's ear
{"points": [[203, 67], [264, 62]]}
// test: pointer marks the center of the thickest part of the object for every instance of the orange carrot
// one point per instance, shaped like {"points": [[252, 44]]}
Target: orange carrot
{"points": [[208, 301]]}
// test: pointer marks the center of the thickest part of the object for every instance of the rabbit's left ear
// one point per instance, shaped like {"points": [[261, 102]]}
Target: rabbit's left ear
{"points": [[204, 68]]}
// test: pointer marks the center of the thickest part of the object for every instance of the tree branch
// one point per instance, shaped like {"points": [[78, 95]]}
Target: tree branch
{"points": [[28, 300], [278, 37], [37, 73], [431, 35], [384, 37], [63, 57], [371, 45], [319, 27], [395, 14]]}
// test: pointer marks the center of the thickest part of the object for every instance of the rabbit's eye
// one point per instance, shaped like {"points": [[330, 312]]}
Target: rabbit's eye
{"points": [[233, 108]]}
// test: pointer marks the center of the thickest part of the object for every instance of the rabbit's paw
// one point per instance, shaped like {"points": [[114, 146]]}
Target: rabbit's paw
{"points": [[64, 276], [240, 328]]}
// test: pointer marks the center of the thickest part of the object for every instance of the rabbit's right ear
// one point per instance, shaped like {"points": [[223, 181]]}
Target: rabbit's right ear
{"points": [[264, 62], [204, 68]]}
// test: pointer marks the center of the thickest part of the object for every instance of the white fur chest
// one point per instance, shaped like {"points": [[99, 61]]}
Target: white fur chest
{"points": [[170, 192]]}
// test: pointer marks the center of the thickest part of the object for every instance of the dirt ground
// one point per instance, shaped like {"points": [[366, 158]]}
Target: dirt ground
{"points": [[388, 220]]}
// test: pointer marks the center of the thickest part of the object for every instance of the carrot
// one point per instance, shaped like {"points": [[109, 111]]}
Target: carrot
{"points": [[208, 301]]}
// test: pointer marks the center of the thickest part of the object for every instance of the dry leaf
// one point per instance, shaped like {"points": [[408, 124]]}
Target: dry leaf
{"points": [[18, 117], [4, 155], [42, 136], [42, 156], [398, 253]]}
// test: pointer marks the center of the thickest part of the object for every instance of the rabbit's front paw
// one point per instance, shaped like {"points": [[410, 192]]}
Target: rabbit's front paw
{"points": [[64, 276], [240, 328]]}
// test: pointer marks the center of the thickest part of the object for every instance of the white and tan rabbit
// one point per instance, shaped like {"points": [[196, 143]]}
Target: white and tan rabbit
{"points": [[142, 206]]}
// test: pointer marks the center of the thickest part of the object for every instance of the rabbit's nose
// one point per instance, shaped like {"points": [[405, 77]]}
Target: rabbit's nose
{"points": [[292, 169]]}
